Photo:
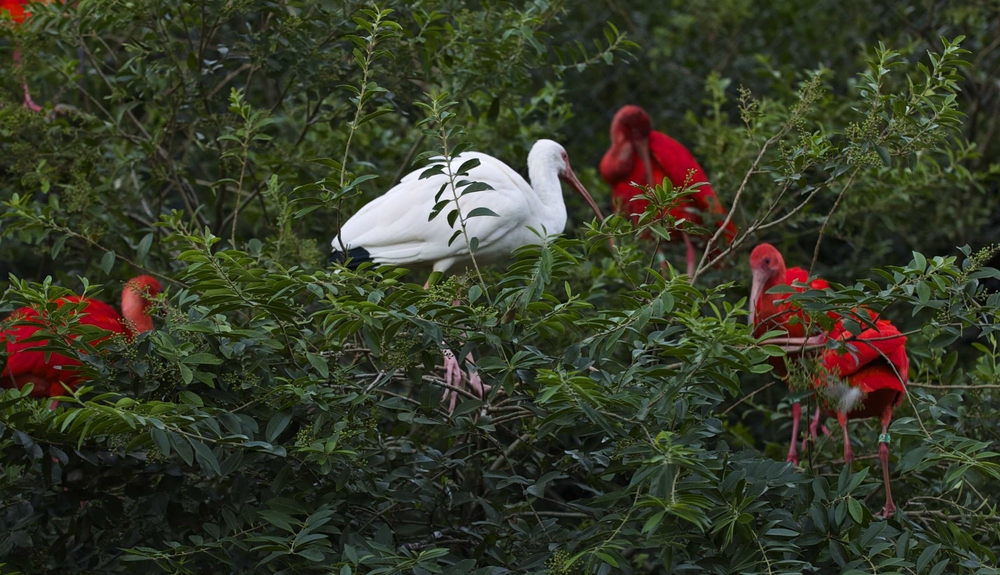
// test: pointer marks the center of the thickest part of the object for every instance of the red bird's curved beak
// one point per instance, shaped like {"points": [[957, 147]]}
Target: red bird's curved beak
{"points": [[760, 277], [641, 147]]}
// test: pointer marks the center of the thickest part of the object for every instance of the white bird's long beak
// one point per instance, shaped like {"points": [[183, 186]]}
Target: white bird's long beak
{"points": [[570, 178]]}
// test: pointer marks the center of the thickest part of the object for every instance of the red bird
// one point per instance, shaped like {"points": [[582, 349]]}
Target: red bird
{"points": [[17, 13], [25, 364], [866, 377], [644, 156], [862, 376], [771, 312]]}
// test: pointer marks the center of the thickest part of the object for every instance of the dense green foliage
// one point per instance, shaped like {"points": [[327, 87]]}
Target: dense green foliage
{"points": [[286, 417]]}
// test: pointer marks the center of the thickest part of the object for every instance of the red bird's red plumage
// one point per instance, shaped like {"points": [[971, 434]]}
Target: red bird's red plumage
{"points": [[670, 160], [801, 276], [15, 8], [773, 312], [776, 312], [622, 164], [864, 376], [27, 364], [875, 360]]}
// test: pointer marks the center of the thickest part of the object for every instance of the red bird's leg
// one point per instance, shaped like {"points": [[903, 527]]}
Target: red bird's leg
{"points": [[28, 102], [814, 425], [883, 456], [690, 254], [793, 456], [848, 452]]}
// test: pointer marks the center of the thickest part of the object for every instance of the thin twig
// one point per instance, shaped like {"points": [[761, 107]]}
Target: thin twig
{"points": [[932, 386], [748, 396], [829, 216]]}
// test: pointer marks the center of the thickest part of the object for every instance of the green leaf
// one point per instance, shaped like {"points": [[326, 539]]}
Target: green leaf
{"points": [[206, 456], [925, 557], [479, 212], [108, 262], [276, 425], [202, 359], [856, 510], [182, 447], [143, 248], [160, 440], [319, 364]]}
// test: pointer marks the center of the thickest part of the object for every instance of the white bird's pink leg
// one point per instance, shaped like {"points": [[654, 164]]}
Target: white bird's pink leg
{"points": [[455, 377]]}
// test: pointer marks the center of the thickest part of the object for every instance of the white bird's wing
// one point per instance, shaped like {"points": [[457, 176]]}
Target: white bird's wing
{"points": [[394, 228]]}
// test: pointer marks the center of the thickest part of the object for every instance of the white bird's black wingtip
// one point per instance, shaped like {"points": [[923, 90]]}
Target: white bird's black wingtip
{"points": [[354, 257]]}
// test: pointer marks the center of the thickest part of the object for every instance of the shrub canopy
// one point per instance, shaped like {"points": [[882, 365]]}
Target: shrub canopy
{"points": [[285, 417]]}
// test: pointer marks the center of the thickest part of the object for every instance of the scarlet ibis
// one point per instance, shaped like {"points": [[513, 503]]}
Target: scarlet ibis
{"points": [[17, 13], [25, 364], [395, 228], [771, 311], [861, 375], [642, 155], [865, 376]]}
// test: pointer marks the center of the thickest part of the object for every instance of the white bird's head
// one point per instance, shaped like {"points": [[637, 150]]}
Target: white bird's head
{"points": [[551, 155]]}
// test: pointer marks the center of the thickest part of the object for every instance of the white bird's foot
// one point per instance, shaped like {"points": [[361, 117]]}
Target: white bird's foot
{"points": [[455, 377]]}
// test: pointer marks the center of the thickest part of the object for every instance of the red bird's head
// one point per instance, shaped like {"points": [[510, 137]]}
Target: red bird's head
{"points": [[631, 123], [768, 268], [629, 141], [136, 301]]}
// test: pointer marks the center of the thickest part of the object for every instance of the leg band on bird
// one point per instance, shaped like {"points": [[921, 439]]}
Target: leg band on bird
{"points": [[883, 438]]}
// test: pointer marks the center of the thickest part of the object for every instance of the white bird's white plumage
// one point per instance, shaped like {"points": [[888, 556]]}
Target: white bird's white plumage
{"points": [[394, 228]]}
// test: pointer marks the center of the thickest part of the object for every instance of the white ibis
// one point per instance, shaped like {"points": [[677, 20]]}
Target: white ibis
{"points": [[395, 228]]}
